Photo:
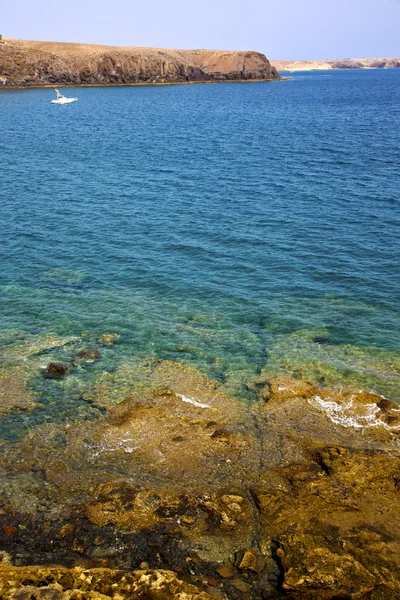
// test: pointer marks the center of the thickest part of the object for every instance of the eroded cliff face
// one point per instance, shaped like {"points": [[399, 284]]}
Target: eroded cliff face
{"points": [[296, 495], [28, 63], [232, 65]]}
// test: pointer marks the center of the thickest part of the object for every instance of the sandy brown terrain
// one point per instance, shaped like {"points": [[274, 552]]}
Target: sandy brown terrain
{"points": [[345, 63], [33, 63]]}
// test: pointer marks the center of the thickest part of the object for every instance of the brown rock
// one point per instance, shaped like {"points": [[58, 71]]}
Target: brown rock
{"points": [[55, 371], [14, 393], [384, 404], [232, 499], [58, 583], [65, 531], [360, 398], [221, 434], [253, 561], [215, 592], [232, 65], [332, 551], [240, 585], [89, 354], [108, 339], [283, 388], [226, 571]]}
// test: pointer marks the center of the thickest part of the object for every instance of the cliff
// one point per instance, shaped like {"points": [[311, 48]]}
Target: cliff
{"points": [[345, 63], [30, 63]]}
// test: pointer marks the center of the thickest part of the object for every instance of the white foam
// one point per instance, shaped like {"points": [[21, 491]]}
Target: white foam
{"points": [[194, 402], [124, 444], [367, 415]]}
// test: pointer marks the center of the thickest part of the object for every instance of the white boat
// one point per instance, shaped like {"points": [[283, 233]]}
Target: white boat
{"points": [[60, 99]]}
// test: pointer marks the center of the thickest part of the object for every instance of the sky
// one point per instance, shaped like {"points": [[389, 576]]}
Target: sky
{"points": [[281, 29]]}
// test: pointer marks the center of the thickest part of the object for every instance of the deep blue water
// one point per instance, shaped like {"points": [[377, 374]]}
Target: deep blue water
{"points": [[243, 228]]}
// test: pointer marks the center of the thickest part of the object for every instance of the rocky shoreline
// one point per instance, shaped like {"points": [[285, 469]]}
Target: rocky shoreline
{"points": [[47, 64], [174, 489]]}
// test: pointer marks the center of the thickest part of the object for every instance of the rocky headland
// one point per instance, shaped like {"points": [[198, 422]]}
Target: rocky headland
{"points": [[336, 63], [32, 64], [174, 489]]}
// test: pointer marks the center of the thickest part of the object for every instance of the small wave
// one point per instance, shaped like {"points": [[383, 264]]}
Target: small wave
{"points": [[126, 444], [349, 415], [194, 402]]}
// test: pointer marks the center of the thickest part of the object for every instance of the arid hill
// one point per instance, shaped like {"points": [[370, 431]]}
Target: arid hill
{"points": [[345, 63], [30, 63]]}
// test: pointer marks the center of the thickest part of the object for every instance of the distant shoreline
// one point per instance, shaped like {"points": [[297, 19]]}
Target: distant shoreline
{"points": [[332, 64], [337, 69]]}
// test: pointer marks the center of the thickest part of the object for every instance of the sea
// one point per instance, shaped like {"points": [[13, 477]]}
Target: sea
{"points": [[245, 229]]}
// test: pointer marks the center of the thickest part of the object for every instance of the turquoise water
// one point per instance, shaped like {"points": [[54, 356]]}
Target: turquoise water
{"points": [[247, 229]]}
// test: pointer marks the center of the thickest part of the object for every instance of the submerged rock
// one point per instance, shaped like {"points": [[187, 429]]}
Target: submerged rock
{"points": [[296, 495], [14, 394], [108, 339], [226, 571], [283, 388], [89, 354], [19, 364], [33, 347], [327, 364], [55, 371], [253, 561]]}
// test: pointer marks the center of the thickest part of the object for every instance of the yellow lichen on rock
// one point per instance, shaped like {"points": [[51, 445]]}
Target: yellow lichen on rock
{"points": [[58, 583]]}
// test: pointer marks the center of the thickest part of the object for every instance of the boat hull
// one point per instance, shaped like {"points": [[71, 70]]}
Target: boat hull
{"points": [[64, 100]]}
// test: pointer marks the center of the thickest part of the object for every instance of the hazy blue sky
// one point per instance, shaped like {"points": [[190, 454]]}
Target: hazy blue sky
{"points": [[279, 28]]}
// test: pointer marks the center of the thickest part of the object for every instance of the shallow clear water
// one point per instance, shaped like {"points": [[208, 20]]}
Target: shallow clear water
{"points": [[247, 229]]}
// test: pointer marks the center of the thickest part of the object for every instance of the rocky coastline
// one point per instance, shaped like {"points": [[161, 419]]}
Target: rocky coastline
{"points": [[174, 489], [48, 64]]}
